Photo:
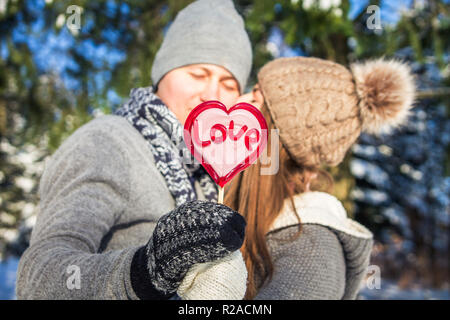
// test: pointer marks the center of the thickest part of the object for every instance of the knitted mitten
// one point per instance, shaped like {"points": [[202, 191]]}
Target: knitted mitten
{"points": [[195, 232], [223, 279]]}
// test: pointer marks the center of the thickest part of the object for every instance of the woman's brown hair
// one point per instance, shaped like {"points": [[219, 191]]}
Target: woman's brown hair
{"points": [[260, 199]]}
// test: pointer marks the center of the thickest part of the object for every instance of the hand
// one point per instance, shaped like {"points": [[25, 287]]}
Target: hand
{"points": [[195, 232]]}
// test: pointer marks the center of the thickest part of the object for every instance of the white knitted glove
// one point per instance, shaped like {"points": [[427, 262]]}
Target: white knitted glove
{"points": [[223, 279]]}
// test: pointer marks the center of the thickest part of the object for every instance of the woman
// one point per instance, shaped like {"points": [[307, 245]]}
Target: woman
{"points": [[299, 243]]}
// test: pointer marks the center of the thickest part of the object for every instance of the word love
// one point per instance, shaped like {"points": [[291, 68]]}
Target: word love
{"points": [[251, 137], [225, 141]]}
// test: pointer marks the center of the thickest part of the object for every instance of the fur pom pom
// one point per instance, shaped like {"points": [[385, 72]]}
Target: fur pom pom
{"points": [[386, 91]]}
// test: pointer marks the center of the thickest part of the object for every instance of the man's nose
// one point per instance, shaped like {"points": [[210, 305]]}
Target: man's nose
{"points": [[210, 91]]}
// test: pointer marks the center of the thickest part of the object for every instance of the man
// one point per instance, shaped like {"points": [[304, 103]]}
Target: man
{"points": [[121, 215]]}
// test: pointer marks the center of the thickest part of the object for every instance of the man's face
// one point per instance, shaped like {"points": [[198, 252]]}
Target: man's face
{"points": [[182, 89]]}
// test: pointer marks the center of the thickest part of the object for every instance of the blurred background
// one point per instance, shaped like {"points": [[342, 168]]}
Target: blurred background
{"points": [[63, 63]]}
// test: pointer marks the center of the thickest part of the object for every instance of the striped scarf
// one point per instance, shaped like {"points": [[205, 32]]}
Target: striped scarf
{"points": [[164, 134]]}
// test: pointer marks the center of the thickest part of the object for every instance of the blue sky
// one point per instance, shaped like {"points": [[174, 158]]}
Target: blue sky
{"points": [[51, 50], [389, 10]]}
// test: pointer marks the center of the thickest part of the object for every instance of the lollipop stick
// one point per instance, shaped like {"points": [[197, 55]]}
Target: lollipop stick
{"points": [[220, 199]]}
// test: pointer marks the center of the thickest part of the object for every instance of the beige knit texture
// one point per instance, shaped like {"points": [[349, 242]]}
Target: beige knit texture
{"points": [[320, 107], [224, 279], [313, 103], [387, 93]]}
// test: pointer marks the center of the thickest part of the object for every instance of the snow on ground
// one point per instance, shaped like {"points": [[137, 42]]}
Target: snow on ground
{"points": [[390, 291], [387, 289], [8, 270]]}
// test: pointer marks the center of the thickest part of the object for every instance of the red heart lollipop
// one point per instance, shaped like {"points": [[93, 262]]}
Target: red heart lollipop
{"points": [[225, 141]]}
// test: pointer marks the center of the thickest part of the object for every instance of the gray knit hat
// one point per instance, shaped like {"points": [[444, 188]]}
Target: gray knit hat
{"points": [[206, 31]]}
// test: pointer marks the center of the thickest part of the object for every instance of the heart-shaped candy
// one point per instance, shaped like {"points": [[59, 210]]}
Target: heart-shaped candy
{"points": [[225, 141]]}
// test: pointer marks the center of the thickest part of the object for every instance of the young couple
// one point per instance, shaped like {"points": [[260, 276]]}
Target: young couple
{"points": [[119, 204]]}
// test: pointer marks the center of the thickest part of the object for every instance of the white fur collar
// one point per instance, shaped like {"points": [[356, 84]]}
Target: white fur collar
{"points": [[320, 208]]}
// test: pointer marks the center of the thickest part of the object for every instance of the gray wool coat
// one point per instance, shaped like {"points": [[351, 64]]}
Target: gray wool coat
{"points": [[100, 198]]}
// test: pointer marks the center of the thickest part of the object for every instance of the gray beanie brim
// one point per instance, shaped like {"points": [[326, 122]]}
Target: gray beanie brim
{"points": [[206, 31]]}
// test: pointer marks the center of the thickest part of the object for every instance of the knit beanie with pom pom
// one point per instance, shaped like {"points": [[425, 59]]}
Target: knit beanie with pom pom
{"points": [[320, 107]]}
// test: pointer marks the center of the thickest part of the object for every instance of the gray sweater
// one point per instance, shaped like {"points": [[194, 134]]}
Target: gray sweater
{"points": [[321, 264], [100, 198]]}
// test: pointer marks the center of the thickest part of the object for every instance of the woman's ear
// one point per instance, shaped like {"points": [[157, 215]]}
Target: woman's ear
{"points": [[309, 177]]}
